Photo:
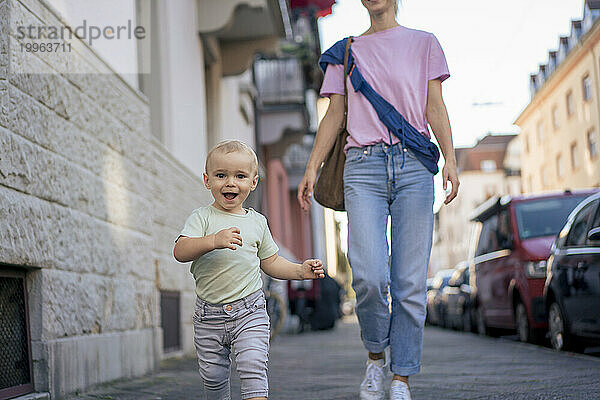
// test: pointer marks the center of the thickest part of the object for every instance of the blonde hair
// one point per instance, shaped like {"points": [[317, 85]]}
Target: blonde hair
{"points": [[232, 146]]}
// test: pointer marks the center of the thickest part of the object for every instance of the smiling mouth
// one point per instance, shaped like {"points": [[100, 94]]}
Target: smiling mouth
{"points": [[230, 196]]}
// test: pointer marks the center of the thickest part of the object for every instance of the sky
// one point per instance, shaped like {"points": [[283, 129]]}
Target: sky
{"points": [[491, 47]]}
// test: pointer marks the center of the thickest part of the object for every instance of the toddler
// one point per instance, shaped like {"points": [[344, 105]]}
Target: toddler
{"points": [[229, 245]]}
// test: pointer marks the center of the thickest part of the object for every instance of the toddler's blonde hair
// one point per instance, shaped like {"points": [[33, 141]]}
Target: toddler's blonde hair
{"points": [[232, 146]]}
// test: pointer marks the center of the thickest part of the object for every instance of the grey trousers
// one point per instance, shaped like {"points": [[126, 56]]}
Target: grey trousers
{"points": [[243, 326]]}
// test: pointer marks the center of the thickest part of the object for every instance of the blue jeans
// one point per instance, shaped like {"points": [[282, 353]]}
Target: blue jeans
{"points": [[371, 197]]}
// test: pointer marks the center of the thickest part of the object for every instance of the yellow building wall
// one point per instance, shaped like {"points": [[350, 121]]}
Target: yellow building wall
{"points": [[540, 156]]}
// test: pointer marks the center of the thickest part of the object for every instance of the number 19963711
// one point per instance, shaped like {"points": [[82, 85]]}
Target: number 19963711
{"points": [[46, 47]]}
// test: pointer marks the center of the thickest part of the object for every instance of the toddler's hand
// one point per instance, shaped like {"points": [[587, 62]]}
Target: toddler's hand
{"points": [[313, 269], [228, 238]]}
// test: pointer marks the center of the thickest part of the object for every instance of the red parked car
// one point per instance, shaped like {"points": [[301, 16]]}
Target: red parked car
{"points": [[508, 263]]}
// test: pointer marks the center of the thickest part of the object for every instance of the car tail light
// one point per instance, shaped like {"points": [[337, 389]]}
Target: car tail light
{"points": [[536, 269]]}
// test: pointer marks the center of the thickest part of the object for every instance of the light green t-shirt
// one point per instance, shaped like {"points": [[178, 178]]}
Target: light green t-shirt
{"points": [[225, 275]]}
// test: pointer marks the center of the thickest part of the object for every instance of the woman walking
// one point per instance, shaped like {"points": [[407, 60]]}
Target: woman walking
{"points": [[385, 175]]}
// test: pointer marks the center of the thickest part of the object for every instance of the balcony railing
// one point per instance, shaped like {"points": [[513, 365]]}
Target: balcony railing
{"points": [[279, 81]]}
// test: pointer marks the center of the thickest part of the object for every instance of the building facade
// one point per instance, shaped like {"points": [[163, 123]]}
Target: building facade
{"points": [[103, 147], [491, 167], [560, 127]]}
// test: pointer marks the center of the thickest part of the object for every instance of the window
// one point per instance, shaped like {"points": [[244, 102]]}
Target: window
{"points": [[555, 123], [503, 232], [484, 244], [570, 103], [574, 157], [15, 353], [488, 165], [587, 88], [170, 320], [578, 232], [592, 140], [544, 217], [540, 132], [560, 172], [595, 222]]}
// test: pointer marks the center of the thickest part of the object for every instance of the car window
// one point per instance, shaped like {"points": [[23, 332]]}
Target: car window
{"points": [[503, 233], [544, 217], [487, 237], [596, 222], [578, 232]]}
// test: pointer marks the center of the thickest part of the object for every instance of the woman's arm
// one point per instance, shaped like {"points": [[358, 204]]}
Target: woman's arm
{"points": [[329, 127], [437, 115]]}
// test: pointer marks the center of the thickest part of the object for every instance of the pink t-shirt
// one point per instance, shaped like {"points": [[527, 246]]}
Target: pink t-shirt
{"points": [[397, 62]]}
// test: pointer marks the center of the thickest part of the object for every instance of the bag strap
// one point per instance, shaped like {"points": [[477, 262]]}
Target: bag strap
{"points": [[345, 84], [396, 123]]}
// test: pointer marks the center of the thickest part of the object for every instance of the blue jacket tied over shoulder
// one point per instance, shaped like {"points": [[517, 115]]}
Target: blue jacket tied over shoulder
{"points": [[425, 150]]}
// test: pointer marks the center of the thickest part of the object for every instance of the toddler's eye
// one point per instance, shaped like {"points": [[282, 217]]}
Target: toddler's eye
{"points": [[220, 176], [241, 176]]}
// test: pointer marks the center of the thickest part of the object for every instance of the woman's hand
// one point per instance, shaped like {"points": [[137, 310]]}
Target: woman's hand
{"points": [[437, 116], [328, 129], [449, 174], [305, 189]]}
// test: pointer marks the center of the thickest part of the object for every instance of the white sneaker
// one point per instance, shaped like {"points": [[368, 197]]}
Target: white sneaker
{"points": [[371, 387], [399, 391]]}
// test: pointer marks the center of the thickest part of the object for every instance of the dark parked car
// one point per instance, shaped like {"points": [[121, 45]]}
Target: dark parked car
{"points": [[434, 295], [512, 245], [456, 300], [572, 290]]}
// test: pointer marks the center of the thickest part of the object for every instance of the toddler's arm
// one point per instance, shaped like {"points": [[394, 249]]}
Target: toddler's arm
{"points": [[189, 249], [280, 268]]}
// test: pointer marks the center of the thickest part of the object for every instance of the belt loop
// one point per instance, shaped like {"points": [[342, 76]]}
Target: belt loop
{"points": [[246, 302]]}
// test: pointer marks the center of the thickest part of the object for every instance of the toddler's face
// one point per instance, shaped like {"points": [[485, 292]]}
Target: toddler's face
{"points": [[230, 178]]}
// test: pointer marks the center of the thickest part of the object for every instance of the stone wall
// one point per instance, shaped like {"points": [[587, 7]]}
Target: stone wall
{"points": [[90, 204]]}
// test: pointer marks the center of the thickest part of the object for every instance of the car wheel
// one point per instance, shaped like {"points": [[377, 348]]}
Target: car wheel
{"points": [[522, 323], [559, 337]]}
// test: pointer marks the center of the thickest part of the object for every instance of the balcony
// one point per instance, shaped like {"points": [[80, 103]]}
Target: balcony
{"points": [[279, 81], [237, 29]]}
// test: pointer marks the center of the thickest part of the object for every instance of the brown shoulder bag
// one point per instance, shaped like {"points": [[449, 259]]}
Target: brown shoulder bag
{"points": [[329, 189]]}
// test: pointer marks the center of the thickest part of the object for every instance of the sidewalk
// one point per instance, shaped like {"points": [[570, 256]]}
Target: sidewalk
{"points": [[329, 365]]}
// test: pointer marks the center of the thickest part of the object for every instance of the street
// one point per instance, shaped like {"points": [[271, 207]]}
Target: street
{"points": [[329, 365]]}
